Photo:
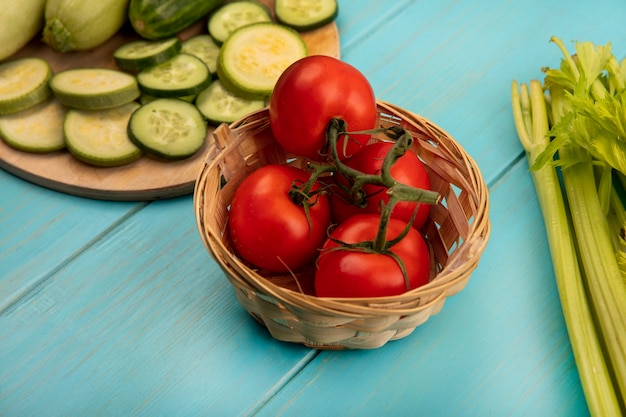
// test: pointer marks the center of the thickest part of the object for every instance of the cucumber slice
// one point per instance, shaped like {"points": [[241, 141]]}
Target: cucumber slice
{"points": [[142, 54], [204, 47], [99, 137], [168, 128], [254, 56], [304, 15], [23, 83], [38, 129], [232, 16], [183, 75], [94, 88], [147, 98], [219, 105]]}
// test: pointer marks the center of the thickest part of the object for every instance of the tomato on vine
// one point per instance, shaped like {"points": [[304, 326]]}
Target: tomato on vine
{"points": [[407, 169], [308, 94], [350, 265], [272, 224]]}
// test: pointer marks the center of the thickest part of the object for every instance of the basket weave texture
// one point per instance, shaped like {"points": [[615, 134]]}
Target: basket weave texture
{"points": [[457, 232]]}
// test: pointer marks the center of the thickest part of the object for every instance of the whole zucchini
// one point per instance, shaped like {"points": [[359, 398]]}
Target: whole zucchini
{"points": [[77, 25], [157, 19], [20, 22]]}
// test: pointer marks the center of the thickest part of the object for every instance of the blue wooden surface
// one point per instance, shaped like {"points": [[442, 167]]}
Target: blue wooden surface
{"points": [[116, 309]]}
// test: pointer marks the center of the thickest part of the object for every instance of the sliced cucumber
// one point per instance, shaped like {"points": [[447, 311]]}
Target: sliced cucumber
{"points": [[304, 15], [23, 83], [232, 16], [219, 105], [100, 137], [254, 56], [183, 75], [142, 54], [94, 88], [168, 128], [204, 47], [38, 129]]}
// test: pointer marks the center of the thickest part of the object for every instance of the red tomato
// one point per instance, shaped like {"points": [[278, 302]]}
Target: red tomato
{"points": [[309, 93], [408, 170], [268, 229], [349, 274]]}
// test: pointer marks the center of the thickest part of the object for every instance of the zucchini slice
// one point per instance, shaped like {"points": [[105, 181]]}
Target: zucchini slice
{"points": [[204, 47], [99, 137], [94, 88], [38, 129], [304, 15], [254, 56], [142, 54], [23, 83], [232, 16], [168, 128], [183, 75], [219, 105]]}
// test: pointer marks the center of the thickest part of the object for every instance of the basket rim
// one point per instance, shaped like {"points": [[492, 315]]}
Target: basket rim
{"points": [[434, 291]]}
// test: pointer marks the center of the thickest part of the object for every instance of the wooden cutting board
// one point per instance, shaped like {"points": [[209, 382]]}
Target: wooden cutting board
{"points": [[145, 179]]}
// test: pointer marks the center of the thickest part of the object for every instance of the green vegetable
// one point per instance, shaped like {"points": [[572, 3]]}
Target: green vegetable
{"points": [[23, 83], [254, 56], [168, 128], [38, 129], [586, 141], [231, 16], [183, 75], [142, 54], [204, 47], [20, 22], [158, 19], [219, 105], [72, 25], [99, 137], [304, 15], [94, 88]]}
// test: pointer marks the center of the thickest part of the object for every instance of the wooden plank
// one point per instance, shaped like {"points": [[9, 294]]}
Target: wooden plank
{"points": [[146, 179], [497, 348], [40, 229], [142, 323]]}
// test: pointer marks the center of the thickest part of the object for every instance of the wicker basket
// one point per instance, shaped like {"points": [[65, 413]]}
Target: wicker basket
{"points": [[456, 231]]}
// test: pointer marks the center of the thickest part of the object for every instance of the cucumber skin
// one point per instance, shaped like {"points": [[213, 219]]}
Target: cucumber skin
{"points": [[158, 19]]}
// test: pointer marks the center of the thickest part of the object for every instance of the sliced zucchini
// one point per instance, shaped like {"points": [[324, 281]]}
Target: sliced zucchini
{"points": [[142, 54], [100, 137], [183, 75], [38, 129], [23, 83], [219, 105], [254, 56], [204, 47], [304, 15], [168, 128], [232, 16], [94, 88]]}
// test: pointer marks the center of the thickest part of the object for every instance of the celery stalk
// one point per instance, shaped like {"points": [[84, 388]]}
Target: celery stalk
{"points": [[531, 121], [601, 270]]}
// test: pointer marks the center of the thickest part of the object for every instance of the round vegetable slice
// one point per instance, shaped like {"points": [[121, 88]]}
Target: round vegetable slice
{"points": [[38, 129], [204, 47], [99, 137], [168, 128], [232, 16], [141, 54], [23, 83], [183, 75], [94, 88], [254, 56], [219, 105], [304, 15]]}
